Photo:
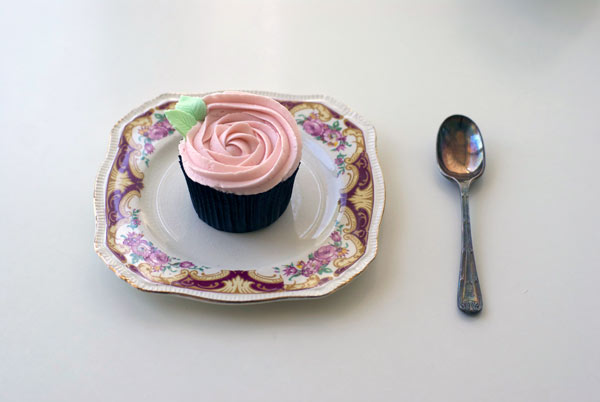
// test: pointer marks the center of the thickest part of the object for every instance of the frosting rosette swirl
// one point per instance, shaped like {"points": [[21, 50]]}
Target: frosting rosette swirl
{"points": [[247, 144]]}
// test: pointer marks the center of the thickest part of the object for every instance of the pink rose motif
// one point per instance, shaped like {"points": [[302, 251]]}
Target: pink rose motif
{"points": [[142, 249], [335, 236], [339, 161], [186, 264], [290, 270], [313, 127], [325, 253], [311, 267], [165, 123], [149, 148], [157, 258], [132, 239], [158, 131]]}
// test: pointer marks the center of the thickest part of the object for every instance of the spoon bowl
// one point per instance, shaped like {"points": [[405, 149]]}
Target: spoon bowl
{"points": [[461, 157], [460, 151]]}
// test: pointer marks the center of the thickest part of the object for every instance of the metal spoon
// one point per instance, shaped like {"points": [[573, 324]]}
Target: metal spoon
{"points": [[461, 157]]}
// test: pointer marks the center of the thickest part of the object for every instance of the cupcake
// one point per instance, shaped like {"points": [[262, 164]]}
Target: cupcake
{"points": [[239, 154]]}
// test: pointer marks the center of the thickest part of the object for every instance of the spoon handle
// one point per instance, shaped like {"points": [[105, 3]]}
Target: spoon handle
{"points": [[469, 292]]}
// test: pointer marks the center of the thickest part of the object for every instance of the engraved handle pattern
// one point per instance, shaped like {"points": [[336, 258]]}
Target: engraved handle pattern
{"points": [[469, 293]]}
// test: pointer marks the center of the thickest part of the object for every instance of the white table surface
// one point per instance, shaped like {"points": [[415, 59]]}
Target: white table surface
{"points": [[528, 74]]}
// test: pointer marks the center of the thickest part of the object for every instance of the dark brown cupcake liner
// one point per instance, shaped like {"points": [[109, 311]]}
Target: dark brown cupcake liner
{"points": [[239, 213]]}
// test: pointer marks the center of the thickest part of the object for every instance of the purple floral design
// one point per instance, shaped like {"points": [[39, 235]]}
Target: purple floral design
{"points": [[134, 222], [325, 253], [149, 134], [314, 127], [132, 239], [329, 134], [161, 128], [336, 236], [318, 262], [143, 250], [148, 148], [157, 258]]}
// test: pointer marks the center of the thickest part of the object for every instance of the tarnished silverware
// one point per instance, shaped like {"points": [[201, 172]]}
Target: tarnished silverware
{"points": [[461, 157]]}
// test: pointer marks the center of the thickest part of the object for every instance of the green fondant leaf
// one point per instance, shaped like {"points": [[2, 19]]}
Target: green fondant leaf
{"points": [[192, 105], [182, 121]]}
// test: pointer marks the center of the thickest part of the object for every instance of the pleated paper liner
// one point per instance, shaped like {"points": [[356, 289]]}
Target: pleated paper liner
{"points": [[239, 213]]}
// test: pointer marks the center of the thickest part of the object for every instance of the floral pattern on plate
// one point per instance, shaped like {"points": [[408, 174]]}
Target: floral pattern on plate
{"points": [[330, 134], [139, 258]]}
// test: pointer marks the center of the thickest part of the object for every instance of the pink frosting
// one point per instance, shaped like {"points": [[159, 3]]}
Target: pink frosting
{"points": [[247, 144]]}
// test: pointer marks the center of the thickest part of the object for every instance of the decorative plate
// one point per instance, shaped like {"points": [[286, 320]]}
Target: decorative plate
{"points": [[148, 233]]}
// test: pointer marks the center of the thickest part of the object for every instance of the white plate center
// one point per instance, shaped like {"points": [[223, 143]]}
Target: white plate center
{"points": [[170, 222]]}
